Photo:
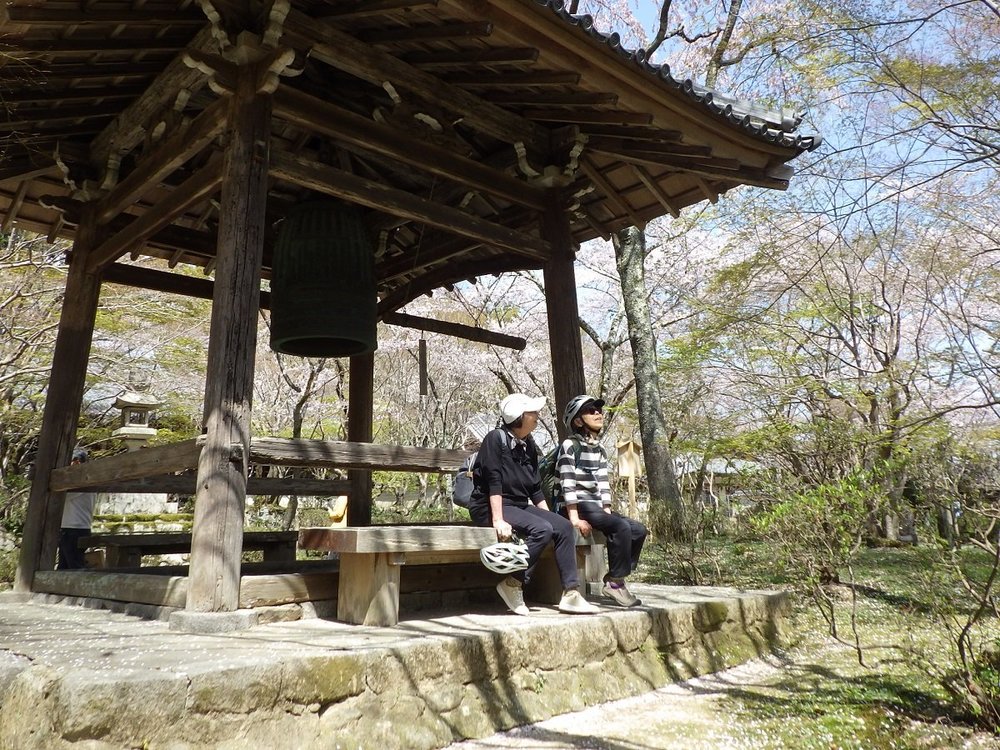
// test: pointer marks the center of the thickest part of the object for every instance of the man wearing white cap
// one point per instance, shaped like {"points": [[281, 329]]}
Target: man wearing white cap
{"points": [[508, 496]]}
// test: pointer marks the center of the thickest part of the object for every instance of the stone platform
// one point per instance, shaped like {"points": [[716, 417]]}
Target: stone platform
{"points": [[78, 677]]}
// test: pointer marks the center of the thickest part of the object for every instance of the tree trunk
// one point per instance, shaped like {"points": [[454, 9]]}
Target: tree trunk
{"points": [[667, 517]]}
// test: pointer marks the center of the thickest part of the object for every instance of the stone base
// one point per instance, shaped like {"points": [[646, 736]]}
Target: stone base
{"points": [[94, 678], [211, 623]]}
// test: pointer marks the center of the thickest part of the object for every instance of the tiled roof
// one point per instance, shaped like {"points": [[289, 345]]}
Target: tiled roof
{"points": [[770, 126]]}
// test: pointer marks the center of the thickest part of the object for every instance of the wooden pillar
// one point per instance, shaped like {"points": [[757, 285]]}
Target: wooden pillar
{"points": [[217, 536], [359, 429], [62, 407], [563, 312]]}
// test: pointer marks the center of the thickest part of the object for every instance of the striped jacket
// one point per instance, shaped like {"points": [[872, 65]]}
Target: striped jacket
{"points": [[583, 481]]}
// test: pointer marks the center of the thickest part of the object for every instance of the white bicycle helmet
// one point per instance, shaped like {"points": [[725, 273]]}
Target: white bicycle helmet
{"points": [[576, 404], [505, 557]]}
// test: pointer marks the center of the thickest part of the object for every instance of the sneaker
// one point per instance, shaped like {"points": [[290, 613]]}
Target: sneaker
{"points": [[513, 597], [620, 594], [572, 602]]}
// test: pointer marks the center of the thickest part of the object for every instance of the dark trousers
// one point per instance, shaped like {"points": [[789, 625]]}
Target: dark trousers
{"points": [[625, 538], [70, 554], [537, 527]]}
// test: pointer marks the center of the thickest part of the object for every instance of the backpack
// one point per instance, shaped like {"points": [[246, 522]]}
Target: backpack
{"points": [[463, 484], [550, 476]]}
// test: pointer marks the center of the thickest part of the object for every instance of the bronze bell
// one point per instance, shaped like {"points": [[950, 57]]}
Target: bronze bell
{"points": [[323, 295]]}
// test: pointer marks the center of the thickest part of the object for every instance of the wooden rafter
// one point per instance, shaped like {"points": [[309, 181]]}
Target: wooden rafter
{"points": [[365, 8], [602, 183], [60, 19], [128, 129], [189, 286], [510, 80], [369, 193], [24, 117], [449, 274], [656, 190], [431, 33], [39, 71], [15, 95], [168, 156], [465, 58], [316, 115], [346, 53], [195, 189]]}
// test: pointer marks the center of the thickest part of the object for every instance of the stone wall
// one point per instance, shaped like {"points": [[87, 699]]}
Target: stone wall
{"points": [[453, 678]]}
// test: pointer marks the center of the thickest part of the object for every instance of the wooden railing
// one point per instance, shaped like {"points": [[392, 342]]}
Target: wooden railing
{"points": [[155, 469]]}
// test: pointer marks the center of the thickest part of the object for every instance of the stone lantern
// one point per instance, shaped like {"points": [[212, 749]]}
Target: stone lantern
{"points": [[135, 429]]}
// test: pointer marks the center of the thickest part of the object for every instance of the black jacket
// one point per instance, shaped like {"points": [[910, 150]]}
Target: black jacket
{"points": [[506, 471]]}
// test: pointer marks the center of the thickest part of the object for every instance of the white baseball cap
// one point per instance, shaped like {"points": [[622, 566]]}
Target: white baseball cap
{"points": [[516, 404]]}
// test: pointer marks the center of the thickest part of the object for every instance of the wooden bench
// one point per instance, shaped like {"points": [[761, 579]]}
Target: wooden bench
{"points": [[371, 556], [126, 550]]}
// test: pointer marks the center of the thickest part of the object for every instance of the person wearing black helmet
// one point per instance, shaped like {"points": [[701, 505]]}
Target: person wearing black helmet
{"points": [[585, 495], [78, 514]]}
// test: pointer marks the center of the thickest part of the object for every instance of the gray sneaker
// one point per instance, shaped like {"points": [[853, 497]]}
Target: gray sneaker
{"points": [[513, 597], [621, 595]]}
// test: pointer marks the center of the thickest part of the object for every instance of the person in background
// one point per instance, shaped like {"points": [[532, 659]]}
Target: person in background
{"points": [[507, 495], [582, 470], [78, 514]]}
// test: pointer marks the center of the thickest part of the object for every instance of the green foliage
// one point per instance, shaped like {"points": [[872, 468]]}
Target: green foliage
{"points": [[8, 567]]}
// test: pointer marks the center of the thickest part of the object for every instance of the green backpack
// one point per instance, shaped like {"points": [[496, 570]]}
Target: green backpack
{"points": [[550, 477]]}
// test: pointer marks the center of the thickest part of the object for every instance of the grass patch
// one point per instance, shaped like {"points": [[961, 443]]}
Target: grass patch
{"points": [[824, 697]]}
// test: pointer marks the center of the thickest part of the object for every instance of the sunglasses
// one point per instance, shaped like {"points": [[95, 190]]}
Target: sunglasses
{"points": [[591, 410]]}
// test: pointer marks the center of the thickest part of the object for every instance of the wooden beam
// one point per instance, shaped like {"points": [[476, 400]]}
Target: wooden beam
{"points": [[647, 179], [319, 116], [60, 19], [369, 193], [186, 484], [585, 117], [353, 455], [76, 47], [24, 168], [470, 333], [195, 189], [346, 53], [130, 127], [14, 207], [428, 33], [602, 184], [35, 71], [562, 309], [148, 462], [168, 156], [618, 146], [192, 286], [465, 58], [428, 281], [35, 93], [365, 8], [62, 409], [217, 533], [626, 132], [553, 99], [707, 191], [360, 427], [708, 169], [508, 80], [25, 117], [159, 590]]}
